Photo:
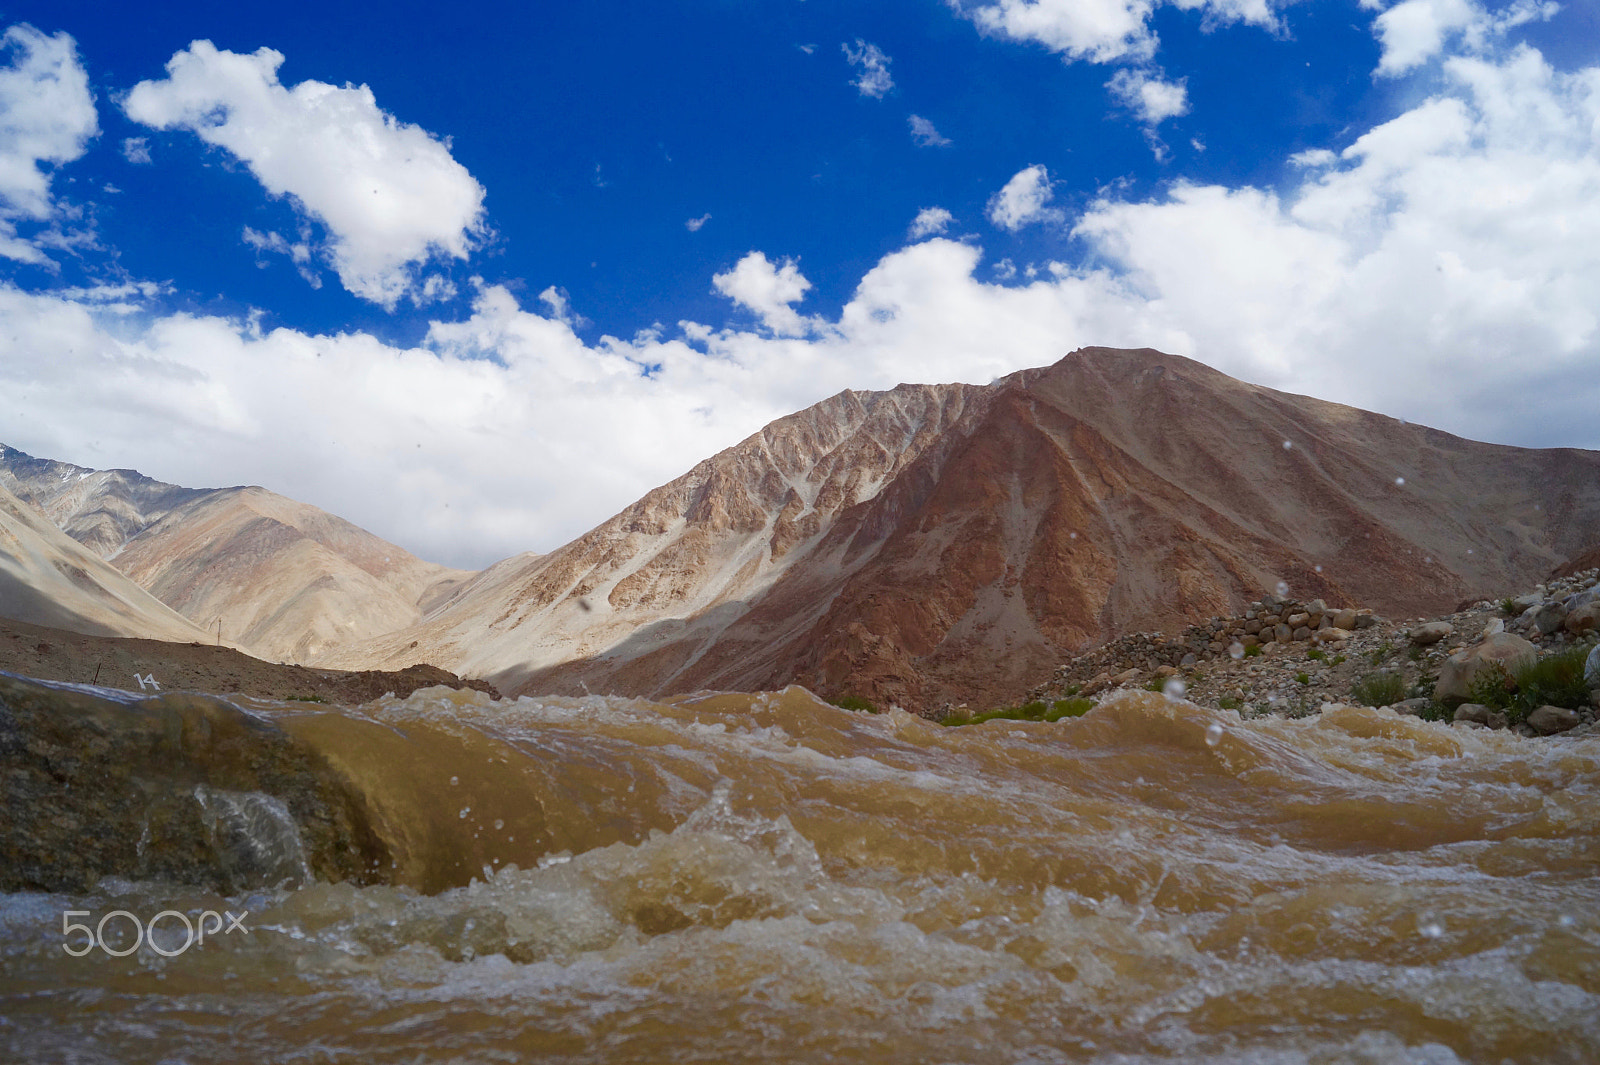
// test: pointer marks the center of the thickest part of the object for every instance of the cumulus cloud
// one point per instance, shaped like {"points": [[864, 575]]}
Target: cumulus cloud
{"points": [[768, 290], [930, 220], [1414, 31], [136, 150], [1022, 201], [872, 68], [47, 118], [1441, 267], [1148, 96], [389, 194], [1101, 31], [924, 133]]}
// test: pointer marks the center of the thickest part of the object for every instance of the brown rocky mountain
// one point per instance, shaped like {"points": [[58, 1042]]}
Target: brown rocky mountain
{"points": [[288, 581], [941, 542], [48, 578]]}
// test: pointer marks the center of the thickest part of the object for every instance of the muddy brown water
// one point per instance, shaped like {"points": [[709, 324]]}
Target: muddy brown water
{"points": [[738, 878]]}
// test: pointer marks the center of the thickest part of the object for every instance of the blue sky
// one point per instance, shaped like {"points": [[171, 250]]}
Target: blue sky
{"points": [[477, 276]]}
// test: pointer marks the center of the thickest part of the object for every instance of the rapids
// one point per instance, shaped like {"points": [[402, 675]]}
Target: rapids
{"points": [[732, 878]]}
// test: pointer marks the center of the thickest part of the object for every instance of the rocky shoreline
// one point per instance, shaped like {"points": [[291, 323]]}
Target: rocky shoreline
{"points": [[1293, 658]]}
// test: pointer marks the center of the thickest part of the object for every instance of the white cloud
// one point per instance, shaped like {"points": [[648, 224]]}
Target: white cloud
{"points": [[1414, 31], [924, 133], [768, 290], [1442, 267], [930, 220], [694, 225], [1148, 96], [136, 149], [1102, 31], [1313, 158], [1022, 201], [47, 116], [872, 66], [389, 194]]}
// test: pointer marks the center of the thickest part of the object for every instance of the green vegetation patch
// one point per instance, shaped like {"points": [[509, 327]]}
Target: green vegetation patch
{"points": [[1384, 688], [853, 702], [1038, 710], [1554, 680], [305, 699]]}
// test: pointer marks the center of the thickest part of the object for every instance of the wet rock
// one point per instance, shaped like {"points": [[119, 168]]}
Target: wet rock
{"points": [[1549, 720], [1460, 669], [176, 787], [1430, 633]]}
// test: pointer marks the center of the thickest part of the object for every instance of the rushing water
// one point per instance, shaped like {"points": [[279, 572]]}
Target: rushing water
{"points": [[765, 878]]}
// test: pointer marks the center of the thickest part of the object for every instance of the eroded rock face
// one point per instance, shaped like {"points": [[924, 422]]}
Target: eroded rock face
{"points": [[177, 787]]}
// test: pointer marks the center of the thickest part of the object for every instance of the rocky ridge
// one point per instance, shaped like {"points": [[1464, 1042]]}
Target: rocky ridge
{"points": [[1260, 664]]}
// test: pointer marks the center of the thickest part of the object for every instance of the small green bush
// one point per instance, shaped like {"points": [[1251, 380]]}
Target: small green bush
{"points": [[1037, 710], [1338, 660], [1317, 654], [1509, 606], [1383, 688], [1252, 651], [851, 702], [1303, 678], [1156, 684], [1230, 702], [1382, 651], [305, 699], [1556, 680]]}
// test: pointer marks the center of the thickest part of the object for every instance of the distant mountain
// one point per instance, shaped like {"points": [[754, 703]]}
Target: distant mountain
{"points": [[288, 581], [951, 541], [48, 578]]}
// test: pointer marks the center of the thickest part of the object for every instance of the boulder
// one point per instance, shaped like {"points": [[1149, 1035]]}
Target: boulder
{"points": [[1330, 635], [1127, 676], [1549, 617], [1297, 619], [1302, 633], [1483, 715], [1414, 707], [1365, 621], [1495, 625], [1549, 720], [1344, 619], [1431, 632], [1523, 602], [1460, 669], [1591, 667], [1282, 633], [1585, 618]]}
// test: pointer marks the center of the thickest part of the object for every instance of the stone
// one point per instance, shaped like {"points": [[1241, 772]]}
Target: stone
{"points": [[1549, 720], [1252, 627], [1549, 617], [1523, 602], [1127, 676], [1414, 707], [1591, 667], [1473, 712], [1297, 619], [1188, 661], [1317, 606], [1282, 633], [1099, 683], [1323, 622], [1330, 635], [1585, 618], [1430, 633], [1365, 621], [1247, 641], [1344, 619], [1302, 633], [1495, 625], [1460, 669], [1165, 671]]}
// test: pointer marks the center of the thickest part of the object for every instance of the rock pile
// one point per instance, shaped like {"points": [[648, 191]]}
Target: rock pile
{"points": [[1290, 657]]}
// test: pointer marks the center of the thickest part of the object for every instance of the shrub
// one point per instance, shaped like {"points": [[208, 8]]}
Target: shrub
{"points": [[1156, 684], [1230, 702], [1317, 654], [1556, 679], [1337, 660], [1384, 688], [1037, 710], [1415, 654], [1303, 678], [1382, 651], [851, 702], [1509, 606], [305, 699], [1252, 651]]}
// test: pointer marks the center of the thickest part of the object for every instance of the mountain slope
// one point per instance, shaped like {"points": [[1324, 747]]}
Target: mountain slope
{"points": [[937, 542], [287, 581], [48, 578]]}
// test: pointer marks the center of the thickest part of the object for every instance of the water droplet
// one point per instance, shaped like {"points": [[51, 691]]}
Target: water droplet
{"points": [[1213, 735], [454, 781], [465, 810], [1317, 568], [1430, 930], [1282, 589], [1236, 650], [499, 824], [1427, 558], [1566, 920], [1287, 445], [1072, 536], [1400, 480], [1174, 688]]}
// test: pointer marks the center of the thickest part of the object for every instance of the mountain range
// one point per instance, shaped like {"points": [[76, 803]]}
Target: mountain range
{"points": [[925, 544]]}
